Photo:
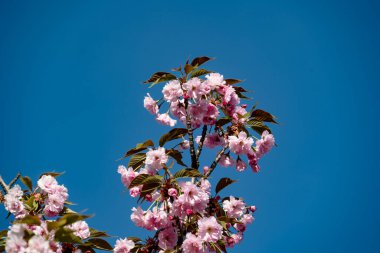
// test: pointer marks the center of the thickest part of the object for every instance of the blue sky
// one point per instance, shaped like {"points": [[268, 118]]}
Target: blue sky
{"points": [[71, 100]]}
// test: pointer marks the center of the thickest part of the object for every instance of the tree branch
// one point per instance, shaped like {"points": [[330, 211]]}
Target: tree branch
{"points": [[215, 162], [200, 146], [191, 137]]}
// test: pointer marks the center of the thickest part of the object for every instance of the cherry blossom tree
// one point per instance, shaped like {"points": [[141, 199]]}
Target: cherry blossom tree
{"points": [[185, 214], [175, 201]]}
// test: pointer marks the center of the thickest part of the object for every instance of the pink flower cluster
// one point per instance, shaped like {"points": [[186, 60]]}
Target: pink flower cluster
{"points": [[124, 246], [41, 240], [13, 203], [202, 108], [150, 220], [56, 195], [193, 199], [80, 229]]}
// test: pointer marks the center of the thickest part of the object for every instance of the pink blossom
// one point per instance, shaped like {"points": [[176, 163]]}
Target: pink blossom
{"points": [[209, 229], [265, 144], [165, 119], [150, 220], [80, 229], [239, 116], [167, 238], [150, 104], [244, 221], [252, 160], [192, 197], [172, 192], [156, 219], [214, 80], [205, 185], [213, 140], [13, 203], [247, 219], [135, 191], [234, 239], [138, 217], [177, 109], [195, 88], [127, 175], [56, 201], [38, 244], [185, 145], [240, 144], [226, 161], [240, 165], [172, 91], [15, 242], [123, 246], [210, 114], [47, 183], [156, 157], [192, 244], [234, 207]]}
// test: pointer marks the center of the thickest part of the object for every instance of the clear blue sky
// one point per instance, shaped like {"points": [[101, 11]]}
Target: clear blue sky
{"points": [[71, 100]]}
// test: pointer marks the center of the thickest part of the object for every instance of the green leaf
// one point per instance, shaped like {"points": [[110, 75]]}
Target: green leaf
{"points": [[138, 180], [188, 68], [199, 72], [261, 115], [226, 219], [240, 89], [223, 183], [27, 182], [139, 147], [222, 121], [198, 61], [66, 235], [3, 233], [187, 172], [258, 126], [31, 203], [134, 239], [137, 160], [173, 134], [232, 81], [159, 77], [97, 233], [177, 69], [176, 155], [99, 244], [65, 220], [157, 179], [30, 220], [53, 174], [149, 187], [241, 95]]}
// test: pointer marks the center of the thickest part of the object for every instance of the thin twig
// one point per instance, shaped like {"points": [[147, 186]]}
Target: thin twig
{"points": [[215, 162], [4, 185], [14, 180]]}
